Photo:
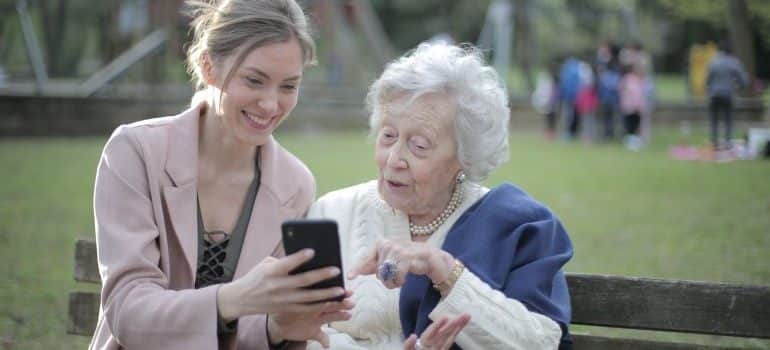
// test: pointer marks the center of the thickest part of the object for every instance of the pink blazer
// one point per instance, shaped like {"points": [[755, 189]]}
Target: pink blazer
{"points": [[146, 236]]}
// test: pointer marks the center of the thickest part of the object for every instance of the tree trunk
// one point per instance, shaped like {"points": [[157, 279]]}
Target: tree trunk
{"points": [[7, 37], [741, 36], [374, 32], [54, 29], [161, 14], [110, 41], [524, 46]]}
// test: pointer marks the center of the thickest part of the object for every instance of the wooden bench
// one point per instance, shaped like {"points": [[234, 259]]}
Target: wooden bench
{"points": [[607, 301]]}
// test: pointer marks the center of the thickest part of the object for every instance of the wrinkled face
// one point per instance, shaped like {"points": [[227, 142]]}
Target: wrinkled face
{"points": [[262, 91], [416, 153]]}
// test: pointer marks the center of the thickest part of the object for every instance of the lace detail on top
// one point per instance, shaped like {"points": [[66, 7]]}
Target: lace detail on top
{"points": [[218, 251], [211, 267]]}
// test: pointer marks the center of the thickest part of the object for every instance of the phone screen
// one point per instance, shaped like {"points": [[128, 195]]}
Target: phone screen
{"points": [[321, 235]]}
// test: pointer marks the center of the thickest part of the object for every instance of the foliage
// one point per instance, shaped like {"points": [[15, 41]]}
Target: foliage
{"points": [[713, 12], [705, 10], [83, 38], [410, 22]]}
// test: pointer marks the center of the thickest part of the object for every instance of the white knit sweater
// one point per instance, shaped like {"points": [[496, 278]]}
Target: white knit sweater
{"points": [[497, 322]]}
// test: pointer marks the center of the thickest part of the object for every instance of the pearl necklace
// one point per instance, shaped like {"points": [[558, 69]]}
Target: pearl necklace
{"points": [[454, 202]]}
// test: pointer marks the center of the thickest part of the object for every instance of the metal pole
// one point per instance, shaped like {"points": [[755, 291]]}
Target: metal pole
{"points": [[33, 49], [151, 43], [501, 12]]}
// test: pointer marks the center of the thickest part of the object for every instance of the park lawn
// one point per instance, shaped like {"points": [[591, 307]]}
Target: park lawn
{"points": [[628, 213]]}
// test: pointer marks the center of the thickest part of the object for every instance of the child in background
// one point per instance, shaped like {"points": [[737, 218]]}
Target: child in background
{"points": [[633, 104], [586, 104], [545, 98]]}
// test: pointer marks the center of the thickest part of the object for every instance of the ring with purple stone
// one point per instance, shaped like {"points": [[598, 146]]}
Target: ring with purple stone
{"points": [[386, 272]]}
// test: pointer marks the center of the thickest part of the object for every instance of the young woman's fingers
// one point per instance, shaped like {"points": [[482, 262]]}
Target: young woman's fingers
{"points": [[309, 278], [334, 317], [310, 295], [345, 304], [319, 308], [302, 308], [288, 263]]}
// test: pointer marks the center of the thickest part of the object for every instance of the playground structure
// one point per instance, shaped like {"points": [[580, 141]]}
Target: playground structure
{"points": [[355, 47]]}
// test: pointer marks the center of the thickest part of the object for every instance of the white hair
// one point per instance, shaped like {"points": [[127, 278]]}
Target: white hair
{"points": [[482, 112]]}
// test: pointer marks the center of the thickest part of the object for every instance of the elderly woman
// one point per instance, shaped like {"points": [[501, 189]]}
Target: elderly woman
{"points": [[425, 241]]}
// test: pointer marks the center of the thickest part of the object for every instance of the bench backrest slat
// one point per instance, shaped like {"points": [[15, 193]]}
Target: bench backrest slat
{"points": [[670, 305], [591, 342], [83, 313], [86, 266]]}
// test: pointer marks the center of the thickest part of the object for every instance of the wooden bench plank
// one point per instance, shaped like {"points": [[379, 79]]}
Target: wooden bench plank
{"points": [[86, 265], [670, 305], [83, 313], [592, 342]]}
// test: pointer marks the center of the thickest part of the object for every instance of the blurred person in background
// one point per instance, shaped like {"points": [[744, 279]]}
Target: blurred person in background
{"points": [[640, 61], [633, 105], [587, 102], [569, 87], [603, 55], [607, 88], [725, 76], [545, 98], [188, 208], [426, 241]]}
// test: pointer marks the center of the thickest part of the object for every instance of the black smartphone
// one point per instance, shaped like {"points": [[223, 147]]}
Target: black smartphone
{"points": [[321, 235]]}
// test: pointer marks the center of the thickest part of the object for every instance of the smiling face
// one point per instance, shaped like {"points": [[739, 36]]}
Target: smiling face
{"points": [[261, 92], [416, 154]]}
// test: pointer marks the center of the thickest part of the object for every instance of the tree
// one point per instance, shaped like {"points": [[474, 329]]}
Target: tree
{"points": [[740, 34], [54, 18], [524, 45], [745, 22]]}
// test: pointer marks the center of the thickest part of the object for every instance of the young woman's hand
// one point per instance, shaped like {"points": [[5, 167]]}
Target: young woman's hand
{"points": [[268, 288], [307, 326], [440, 335]]}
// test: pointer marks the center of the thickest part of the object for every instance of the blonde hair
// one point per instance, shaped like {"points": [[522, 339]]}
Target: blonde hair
{"points": [[222, 28]]}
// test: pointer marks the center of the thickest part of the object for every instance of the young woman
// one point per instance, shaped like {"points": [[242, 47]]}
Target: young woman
{"points": [[188, 208]]}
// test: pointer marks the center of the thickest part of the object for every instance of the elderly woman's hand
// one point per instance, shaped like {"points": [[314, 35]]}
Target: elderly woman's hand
{"points": [[440, 335], [392, 260]]}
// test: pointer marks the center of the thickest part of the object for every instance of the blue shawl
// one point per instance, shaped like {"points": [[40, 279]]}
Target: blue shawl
{"points": [[514, 244]]}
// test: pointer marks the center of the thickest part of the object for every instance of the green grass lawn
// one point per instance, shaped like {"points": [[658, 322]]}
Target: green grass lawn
{"points": [[628, 213]]}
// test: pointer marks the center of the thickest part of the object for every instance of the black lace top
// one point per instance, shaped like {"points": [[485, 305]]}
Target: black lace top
{"points": [[218, 251]]}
